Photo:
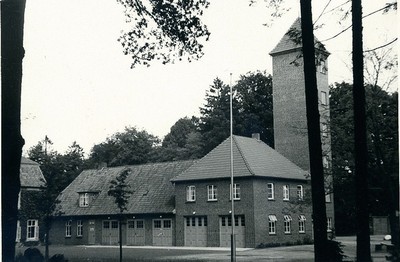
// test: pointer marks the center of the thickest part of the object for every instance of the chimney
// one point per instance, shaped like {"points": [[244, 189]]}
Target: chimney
{"points": [[256, 136]]}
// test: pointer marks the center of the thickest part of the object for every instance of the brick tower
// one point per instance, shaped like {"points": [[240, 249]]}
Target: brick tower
{"points": [[290, 119]]}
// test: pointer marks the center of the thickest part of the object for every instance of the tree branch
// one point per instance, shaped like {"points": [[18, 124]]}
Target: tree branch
{"points": [[382, 46]]}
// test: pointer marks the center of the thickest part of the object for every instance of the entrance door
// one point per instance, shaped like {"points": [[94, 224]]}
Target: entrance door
{"points": [[110, 232], [196, 231], [92, 233], [225, 229], [162, 232], [135, 233]]}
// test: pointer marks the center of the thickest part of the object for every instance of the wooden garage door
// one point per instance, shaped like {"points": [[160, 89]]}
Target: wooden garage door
{"points": [[110, 232], [135, 233], [162, 232], [225, 229], [196, 231]]}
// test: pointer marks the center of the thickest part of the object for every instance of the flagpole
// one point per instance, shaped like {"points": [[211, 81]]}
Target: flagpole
{"points": [[233, 241]]}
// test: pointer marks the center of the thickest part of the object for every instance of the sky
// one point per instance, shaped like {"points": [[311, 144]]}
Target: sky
{"points": [[78, 86]]}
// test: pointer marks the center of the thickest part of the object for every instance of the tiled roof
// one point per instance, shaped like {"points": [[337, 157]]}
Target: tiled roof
{"points": [[287, 43], [152, 190], [251, 157], [30, 174]]}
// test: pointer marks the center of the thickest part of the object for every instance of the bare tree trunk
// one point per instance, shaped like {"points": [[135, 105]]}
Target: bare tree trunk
{"points": [[314, 134], [120, 238], [12, 52], [360, 137]]}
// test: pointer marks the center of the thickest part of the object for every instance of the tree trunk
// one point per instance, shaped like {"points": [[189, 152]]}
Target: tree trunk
{"points": [[314, 134], [12, 52], [120, 239], [360, 137]]}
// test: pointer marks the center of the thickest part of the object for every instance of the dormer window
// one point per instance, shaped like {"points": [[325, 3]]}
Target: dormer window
{"points": [[84, 199]]}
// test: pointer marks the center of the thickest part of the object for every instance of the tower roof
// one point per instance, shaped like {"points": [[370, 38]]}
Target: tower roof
{"points": [[291, 41]]}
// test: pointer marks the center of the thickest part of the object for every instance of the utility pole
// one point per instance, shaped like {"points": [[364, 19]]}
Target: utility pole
{"points": [[233, 241]]}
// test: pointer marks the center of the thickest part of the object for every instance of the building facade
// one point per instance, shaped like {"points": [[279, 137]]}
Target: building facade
{"points": [[290, 117], [29, 218]]}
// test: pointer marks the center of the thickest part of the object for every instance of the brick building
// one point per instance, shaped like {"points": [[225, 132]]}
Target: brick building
{"points": [[290, 119], [29, 219], [269, 195], [188, 203]]}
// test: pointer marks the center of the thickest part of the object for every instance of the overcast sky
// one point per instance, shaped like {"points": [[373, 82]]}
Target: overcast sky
{"points": [[78, 85]]}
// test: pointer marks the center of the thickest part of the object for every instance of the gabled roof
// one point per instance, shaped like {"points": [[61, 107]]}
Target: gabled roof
{"points": [[152, 190], [30, 174], [291, 41], [251, 157]]}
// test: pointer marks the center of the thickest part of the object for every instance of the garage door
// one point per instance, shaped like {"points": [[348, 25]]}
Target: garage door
{"points": [[225, 229], [135, 232], [162, 232], [196, 231], [110, 232]]}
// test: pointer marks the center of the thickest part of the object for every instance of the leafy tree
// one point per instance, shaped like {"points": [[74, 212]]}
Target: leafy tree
{"points": [[215, 115], [130, 147], [183, 141], [382, 141], [254, 95], [162, 30], [119, 189]]}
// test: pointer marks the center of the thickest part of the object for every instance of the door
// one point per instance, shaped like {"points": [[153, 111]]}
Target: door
{"points": [[162, 232], [135, 233], [196, 231], [110, 232], [225, 229], [92, 233]]}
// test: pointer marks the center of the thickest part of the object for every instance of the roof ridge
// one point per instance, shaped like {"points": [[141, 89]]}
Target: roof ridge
{"points": [[243, 156]]}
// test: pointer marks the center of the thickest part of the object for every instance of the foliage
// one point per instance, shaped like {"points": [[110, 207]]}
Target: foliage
{"points": [[119, 189], [335, 250], [163, 30], [251, 105], [382, 131], [183, 141], [130, 147]]}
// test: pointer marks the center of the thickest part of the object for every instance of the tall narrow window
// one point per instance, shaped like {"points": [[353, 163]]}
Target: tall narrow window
{"points": [[329, 224], [191, 193], [83, 199], [212, 192], [68, 228], [236, 192], [286, 192], [328, 197], [79, 228], [32, 230], [18, 238], [272, 224], [302, 224], [300, 193], [324, 98], [270, 191], [287, 223]]}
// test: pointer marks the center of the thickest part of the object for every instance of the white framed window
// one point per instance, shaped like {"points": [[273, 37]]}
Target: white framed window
{"points": [[18, 238], [302, 224], [79, 228], [212, 193], [324, 130], [322, 67], [286, 192], [19, 200], [329, 224], [190, 193], [328, 197], [324, 98], [68, 228], [287, 223], [270, 191], [325, 162], [84, 199], [272, 224], [300, 192], [32, 230], [236, 192]]}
